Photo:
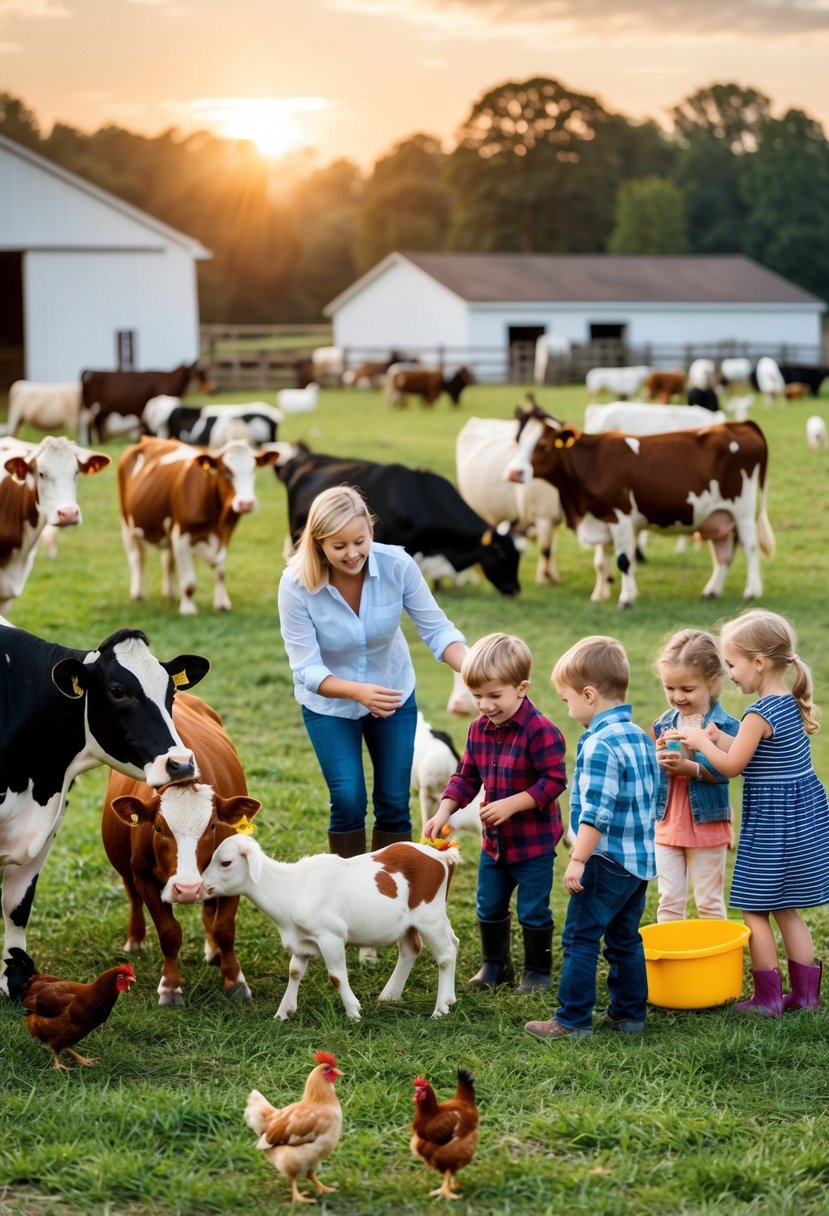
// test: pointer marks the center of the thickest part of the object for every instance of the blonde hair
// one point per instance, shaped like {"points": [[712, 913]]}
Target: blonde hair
{"points": [[698, 651], [597, 661], [498, 656], [329, 513], [757, 634]]}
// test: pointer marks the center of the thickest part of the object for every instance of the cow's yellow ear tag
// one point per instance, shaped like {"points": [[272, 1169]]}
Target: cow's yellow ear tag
{"points": [[244, 827], [569, 442], [76, 688], [180, 678], [559, 443], [133, 818]]}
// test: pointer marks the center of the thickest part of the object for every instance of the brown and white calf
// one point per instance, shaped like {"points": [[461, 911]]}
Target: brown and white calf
{"points": [[186, 501], [38, 486], [322, 904], [160, 842], [612, 485]]}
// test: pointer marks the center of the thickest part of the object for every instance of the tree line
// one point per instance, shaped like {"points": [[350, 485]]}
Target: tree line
{"points": [[535, 168]]}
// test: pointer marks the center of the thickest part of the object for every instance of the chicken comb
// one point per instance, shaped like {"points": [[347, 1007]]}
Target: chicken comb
{"points": [[126, 969], [325, 1057], [420, 1081]]}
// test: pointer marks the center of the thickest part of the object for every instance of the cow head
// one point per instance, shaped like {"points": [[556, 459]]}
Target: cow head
{"points": [[539, 437], [236, 463], [52, 469], [128, 706], [499, 558], [184, 824]]}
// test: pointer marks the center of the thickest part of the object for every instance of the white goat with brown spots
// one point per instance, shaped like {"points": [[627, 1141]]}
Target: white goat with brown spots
{"points": [[323, 903]]}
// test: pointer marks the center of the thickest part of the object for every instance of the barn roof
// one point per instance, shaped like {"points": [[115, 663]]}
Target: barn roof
{"points": [[75, 182], [597, 278]]}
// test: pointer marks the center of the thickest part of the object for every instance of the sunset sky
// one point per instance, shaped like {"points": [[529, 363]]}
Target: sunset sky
{"points": [[352, 77]]}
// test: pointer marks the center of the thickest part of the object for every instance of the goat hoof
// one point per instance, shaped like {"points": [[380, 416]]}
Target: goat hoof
{"points": [[239, 992], [171, 1000]]}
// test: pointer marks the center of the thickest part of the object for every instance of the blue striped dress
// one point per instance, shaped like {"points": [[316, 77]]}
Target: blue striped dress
{"points": [[783, 854]]}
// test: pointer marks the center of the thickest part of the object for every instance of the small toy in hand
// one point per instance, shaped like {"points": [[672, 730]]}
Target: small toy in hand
{"points": [[444, 842]]}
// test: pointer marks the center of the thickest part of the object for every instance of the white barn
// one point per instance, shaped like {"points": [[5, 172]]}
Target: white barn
{"points": [[490, 300], [87, 280]]}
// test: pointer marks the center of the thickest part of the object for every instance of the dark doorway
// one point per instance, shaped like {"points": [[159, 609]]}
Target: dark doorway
{"points": [[12, 355], [522, 340], [603, 332]]}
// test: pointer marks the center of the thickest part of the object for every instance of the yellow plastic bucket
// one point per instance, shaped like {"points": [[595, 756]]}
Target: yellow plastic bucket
{"points": [[694, 964]]}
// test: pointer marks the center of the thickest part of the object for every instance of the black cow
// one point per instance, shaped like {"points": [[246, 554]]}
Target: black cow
{"points": [[63, 711], [705, 397], [796, 373], [126, 394], [415, 508]]}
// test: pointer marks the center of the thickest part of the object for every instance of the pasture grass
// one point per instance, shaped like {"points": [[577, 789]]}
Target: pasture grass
{"points": [[709, 1113]]}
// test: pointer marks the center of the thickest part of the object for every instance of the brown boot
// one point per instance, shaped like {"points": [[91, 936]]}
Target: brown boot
{"points": [[380, 839], [347, 844]]}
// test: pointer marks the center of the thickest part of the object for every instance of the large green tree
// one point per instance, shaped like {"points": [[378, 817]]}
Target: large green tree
{"points": [[650, 218], [407, 202]]}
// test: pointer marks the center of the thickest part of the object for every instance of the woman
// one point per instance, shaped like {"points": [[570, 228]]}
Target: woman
{"points": [[341, 598]]}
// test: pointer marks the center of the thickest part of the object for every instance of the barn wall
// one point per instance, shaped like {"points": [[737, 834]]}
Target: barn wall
{"points": [[403, 307], [75, 302]]}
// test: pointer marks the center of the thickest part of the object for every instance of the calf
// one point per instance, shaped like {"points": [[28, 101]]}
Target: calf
{"points": [[47, 407], [663, 386], [160, 841], [186, 501], [63, 711], [429, 383], [38, 487], [322, 904]]}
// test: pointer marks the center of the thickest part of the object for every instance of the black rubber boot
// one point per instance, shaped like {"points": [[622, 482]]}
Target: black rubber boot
{"points": [[380, 839], [347, 844], [538, 958], [495, 947]]}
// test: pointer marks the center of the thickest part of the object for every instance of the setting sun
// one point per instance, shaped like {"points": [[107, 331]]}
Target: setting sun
{"points": [[269, 122]]}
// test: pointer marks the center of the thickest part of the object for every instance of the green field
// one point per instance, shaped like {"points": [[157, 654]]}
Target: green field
{"points": [[710, 1113]]}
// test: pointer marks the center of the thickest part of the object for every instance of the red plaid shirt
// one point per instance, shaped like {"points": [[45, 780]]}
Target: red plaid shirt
{"points": [[524, 755]]}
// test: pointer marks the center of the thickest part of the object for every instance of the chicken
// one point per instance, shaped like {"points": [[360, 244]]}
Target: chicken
{"points": [[445, 1134], [61, 1012], [298, 1137]]}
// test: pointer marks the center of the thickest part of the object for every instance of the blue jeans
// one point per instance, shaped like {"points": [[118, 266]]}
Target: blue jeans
{"points": [[498, 879], [338, 744], [610, 906]]}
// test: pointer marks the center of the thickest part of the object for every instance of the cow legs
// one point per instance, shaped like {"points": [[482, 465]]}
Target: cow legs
{"points": [[295, 973], [134, 549], [137, 928], [221, 599], [183, 551], [722, 553], [546, 571], [19, 884], [169, 938], [219, 919], [623, 538], [167, 588], [408, 948], [601, 589]]}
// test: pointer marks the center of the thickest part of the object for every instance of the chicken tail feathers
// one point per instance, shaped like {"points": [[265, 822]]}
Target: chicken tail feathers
{"points": [[19, 971], [466, 1085], [257, 1112]]}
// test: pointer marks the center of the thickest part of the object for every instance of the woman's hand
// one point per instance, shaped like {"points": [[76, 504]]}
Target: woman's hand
{"points": [[379, 701]]}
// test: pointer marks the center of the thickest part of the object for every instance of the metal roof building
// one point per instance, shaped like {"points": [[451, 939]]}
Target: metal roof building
{"points": [[86, 280]]}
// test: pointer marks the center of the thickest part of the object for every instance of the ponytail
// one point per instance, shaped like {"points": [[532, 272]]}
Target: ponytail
{"points": [[802, 693]]}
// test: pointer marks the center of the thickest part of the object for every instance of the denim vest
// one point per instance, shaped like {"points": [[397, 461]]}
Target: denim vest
{"points": [[709, 803]]}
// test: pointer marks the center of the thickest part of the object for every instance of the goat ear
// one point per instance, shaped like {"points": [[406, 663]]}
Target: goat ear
{"points": [[253, 853]]}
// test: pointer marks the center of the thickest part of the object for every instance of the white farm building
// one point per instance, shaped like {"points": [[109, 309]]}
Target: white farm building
{"points": [[468, 303], [86, 280]]}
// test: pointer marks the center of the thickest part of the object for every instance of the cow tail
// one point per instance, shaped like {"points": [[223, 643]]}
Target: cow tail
{"points": [[765, 535]]}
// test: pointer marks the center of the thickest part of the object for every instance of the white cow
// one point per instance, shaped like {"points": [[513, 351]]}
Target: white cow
{"points": [[702, 374], [38, 487], [736, 370], [623, 381], [816, 433], [643, 418], [482, 449], [770, 380], [48, 407]]}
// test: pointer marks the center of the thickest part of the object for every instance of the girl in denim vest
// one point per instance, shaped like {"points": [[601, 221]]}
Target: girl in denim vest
{"points": [[693, 828]]}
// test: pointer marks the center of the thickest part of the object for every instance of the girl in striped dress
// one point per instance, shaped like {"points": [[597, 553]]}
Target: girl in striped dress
{"points": [[783, 855]]}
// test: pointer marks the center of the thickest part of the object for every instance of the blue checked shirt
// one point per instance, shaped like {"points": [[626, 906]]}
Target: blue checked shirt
{"points": [[615, 784]]}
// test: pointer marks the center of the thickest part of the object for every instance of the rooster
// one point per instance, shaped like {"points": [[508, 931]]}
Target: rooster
{"points": [[61, 1012], [298, 1137], [445, 1134]]}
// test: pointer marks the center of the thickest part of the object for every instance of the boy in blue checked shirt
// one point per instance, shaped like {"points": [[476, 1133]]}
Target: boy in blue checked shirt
{"points": [[518, 756], [613, 808]]}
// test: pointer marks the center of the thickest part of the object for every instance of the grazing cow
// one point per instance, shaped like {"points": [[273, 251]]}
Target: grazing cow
{"points": [[622, 381], [705, 398], [611, 485], [321, 904], [642, 418], [662, 386], [702, 374], [160, 841], [126, 393], [736, 370], [48, 407], [186, 501], [415, 508], [428, 384], [392, 396], [372, 373], [482, 449], [256, 422], [769, 380], [327, 364], [38, 487], [816, 433], [811, 376], [63, 711], [298, 400]]}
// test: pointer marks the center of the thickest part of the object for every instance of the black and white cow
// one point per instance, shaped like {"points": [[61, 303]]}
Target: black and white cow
{"points": [[63, 711], [415, 508]]}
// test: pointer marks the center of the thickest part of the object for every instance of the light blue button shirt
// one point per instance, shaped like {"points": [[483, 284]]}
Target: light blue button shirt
{"points": [[324, 637]]}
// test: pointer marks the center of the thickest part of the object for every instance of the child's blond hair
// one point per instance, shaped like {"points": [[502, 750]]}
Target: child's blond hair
{"points": [[698, 651], [329, 513], [758, 633], [498, 656], [597, 661]]}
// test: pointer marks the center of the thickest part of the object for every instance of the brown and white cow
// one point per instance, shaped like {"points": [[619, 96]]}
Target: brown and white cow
{"points": [[161, 841], [663, 386], [109, 394], [186, 501], [612, 485], [38, 486], [428, 384]]}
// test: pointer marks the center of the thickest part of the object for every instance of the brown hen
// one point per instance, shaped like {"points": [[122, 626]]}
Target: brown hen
{"points": [[445, 1134]]}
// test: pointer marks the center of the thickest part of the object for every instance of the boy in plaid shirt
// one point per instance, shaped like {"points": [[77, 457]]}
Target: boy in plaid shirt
{"points": [[613, 809], [518, 756]]}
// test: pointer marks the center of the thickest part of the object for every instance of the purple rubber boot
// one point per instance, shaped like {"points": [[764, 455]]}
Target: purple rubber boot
{"points": [[805, 984], [767, 1001]]}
